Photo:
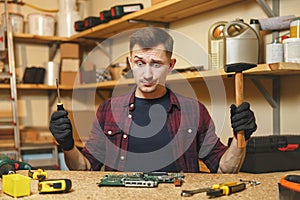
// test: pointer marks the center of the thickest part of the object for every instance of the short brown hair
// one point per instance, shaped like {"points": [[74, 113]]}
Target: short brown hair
{"points": [[150, 37]]}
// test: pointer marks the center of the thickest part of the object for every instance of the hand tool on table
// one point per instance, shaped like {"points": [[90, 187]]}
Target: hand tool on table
{"points": [[238, 68], [217, 189], [60, 105], [40, 174], [55, 186]]}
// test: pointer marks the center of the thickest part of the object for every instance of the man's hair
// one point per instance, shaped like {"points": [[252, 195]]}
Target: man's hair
{"points": [[151, 37]]}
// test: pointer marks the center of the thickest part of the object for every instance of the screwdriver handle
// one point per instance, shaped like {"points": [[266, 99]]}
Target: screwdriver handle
{"points": [[60, 106]]}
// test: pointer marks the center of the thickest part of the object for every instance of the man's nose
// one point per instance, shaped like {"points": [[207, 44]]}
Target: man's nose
{"points": [[148, 72]]}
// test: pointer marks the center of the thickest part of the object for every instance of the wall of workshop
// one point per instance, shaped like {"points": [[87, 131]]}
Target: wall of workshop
{"points": [[195, 29]]}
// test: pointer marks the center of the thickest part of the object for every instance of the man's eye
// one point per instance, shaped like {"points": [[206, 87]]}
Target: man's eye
{"points": [[156, 65], [139, 63]]}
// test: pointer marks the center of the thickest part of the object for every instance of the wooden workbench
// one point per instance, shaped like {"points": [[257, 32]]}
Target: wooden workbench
{"points": [[85, 187]]}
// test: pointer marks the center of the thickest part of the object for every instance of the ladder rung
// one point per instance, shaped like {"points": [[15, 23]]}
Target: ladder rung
{"points": [[7, 125]]}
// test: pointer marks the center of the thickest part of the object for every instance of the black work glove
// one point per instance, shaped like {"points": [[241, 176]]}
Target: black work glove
{"points": [[61, 129], [242, 118]]}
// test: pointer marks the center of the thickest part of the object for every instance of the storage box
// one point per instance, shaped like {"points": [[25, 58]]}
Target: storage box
{"points": [[36, 135], [16, 185], [272, 153], [69, 78], [69, 50]]}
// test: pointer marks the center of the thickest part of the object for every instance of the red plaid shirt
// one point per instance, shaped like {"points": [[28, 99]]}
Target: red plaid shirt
{"points": [[189, 125]]}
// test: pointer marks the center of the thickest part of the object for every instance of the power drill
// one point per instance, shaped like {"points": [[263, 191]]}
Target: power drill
{"points": [[8, 165]]}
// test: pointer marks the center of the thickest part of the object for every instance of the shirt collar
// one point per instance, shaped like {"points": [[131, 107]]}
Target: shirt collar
{"points": [[174, 102]]}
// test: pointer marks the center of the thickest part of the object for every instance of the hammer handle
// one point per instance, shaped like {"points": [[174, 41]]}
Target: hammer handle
{"points": [[239, 98]]}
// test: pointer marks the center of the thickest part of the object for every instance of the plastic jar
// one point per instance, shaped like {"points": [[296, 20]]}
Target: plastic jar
{"points": [[41, 24], [17, 21], [295, 28]]}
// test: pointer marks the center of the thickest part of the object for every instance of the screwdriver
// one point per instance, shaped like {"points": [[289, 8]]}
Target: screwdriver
{"points": [[60, 105]]}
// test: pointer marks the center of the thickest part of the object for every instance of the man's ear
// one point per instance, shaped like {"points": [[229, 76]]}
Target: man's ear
{"points": [[172, 64], [129, 61]]}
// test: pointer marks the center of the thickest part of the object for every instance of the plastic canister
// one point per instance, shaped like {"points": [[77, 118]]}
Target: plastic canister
{"points": [[291, 48], [241, 43], [295, 28], [41, 24], [17, 21], [216, 45], [274, 53]]}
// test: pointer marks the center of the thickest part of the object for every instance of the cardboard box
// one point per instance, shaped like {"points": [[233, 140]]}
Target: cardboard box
{"points": [[69, 78], [69, 50], [153, 2], [36, 135], [70, 64]]}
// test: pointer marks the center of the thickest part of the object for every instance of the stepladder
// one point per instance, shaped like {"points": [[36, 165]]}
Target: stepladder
{"points": [[9, 122]]}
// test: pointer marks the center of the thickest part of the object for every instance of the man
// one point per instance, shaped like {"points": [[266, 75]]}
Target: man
{"points": [[152, 128]]}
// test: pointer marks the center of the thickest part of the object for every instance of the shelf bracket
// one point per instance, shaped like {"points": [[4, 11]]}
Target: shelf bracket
{"points": [[273, 100], [274, 12], [149, 23], [53, 47], [98, 92]]}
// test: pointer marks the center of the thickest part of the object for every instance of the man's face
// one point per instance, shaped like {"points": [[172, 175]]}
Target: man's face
{"points": [[150, 68]]}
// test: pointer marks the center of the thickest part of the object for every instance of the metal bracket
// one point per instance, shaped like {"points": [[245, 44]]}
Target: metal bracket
{"points": [[274, 12], [273, 100], [53, 47]]}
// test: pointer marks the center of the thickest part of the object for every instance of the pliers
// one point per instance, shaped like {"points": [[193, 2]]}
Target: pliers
{"points": [[217, 189]]}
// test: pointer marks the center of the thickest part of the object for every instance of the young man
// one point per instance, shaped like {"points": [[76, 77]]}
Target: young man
{"points": [[152, 128]]}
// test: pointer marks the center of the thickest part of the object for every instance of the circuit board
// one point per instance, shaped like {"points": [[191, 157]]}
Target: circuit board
{"points": [[151, 179]]}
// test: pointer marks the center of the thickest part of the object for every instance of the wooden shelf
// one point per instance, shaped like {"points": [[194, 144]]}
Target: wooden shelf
{"points": [[263, 69], [164, 12]]}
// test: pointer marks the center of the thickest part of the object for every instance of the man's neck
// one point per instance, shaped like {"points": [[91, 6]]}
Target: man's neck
{"points": [[159, 92]]}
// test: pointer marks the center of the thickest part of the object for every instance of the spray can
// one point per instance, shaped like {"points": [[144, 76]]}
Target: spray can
{"points": [[216, 45]]}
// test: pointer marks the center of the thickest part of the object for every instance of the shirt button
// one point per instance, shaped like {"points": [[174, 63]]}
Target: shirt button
{"points": [[109, 132], [189, 130], [124, 136], [131, 105], [122, 157], [129, 116]]}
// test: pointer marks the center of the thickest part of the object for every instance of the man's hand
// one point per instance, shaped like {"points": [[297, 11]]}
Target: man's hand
{"points": [[242, 118], [61, 129]]}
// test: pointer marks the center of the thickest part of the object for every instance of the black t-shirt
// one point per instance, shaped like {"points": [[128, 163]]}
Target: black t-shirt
{"points": [[148, 134]]}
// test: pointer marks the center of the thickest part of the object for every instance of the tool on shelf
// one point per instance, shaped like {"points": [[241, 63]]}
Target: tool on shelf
{"points": [[238, 68], [60, 105], [216, 190]]}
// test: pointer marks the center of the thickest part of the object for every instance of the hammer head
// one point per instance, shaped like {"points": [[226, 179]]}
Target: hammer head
{"points": [[238, 67]]}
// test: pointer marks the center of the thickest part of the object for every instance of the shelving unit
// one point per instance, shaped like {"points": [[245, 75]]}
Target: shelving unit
{"points": [[161, 14]]}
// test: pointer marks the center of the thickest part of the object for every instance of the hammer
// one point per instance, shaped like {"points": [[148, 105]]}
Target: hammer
{"points": [[238, 68]]}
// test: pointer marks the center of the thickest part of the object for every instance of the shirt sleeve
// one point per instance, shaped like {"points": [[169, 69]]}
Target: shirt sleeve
{"points": [[212, 149], [94, 149]]}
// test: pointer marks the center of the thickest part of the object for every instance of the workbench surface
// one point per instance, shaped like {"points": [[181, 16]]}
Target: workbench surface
{"points": [[84, 186]]}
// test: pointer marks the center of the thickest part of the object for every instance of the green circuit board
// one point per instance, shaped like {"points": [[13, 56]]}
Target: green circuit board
{"points": [[151, 179]]}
